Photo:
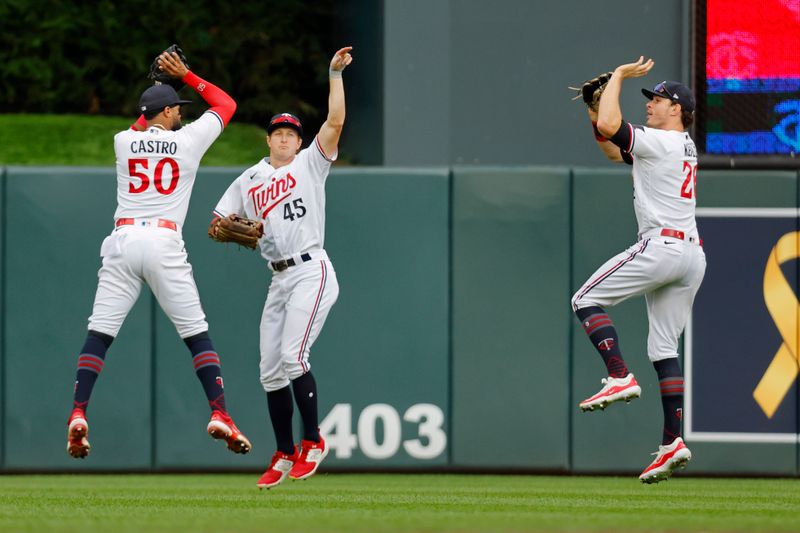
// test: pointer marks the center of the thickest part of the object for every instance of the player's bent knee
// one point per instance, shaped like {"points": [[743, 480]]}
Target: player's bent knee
{"points": [[273, 384]]}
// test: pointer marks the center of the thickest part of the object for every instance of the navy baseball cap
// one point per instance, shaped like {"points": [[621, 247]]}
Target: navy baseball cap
{"points": [[158, 97], [675, 91], [285, 120]]}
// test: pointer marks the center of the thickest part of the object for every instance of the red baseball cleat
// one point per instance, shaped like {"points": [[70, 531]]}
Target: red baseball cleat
{"points": [[668, 458], [278, 469], [614, 390], [311, 455], [221, 426], [78, 429]]}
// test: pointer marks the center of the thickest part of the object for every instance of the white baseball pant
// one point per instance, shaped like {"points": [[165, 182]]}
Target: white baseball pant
{"points": [[145, 253], [667, 270], [298, 303]]}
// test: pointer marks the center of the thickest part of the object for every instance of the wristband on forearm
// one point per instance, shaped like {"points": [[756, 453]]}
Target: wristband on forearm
{"points": [[597, 135], [334, 74]]}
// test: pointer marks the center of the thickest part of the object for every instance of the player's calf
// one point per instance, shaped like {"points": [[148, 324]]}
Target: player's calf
{"points": [[614, 390], [77, 432]]}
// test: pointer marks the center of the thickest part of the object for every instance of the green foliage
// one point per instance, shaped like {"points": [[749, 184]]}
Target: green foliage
{"points": [[76, 57], [393, 503], [88, 141]]}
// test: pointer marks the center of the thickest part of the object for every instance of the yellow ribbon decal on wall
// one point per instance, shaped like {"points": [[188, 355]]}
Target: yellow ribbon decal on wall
{"points": [[784, 308]]}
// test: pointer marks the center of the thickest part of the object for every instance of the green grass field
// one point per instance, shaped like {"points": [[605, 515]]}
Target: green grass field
{"points": [[85, 140], [356, 503]]}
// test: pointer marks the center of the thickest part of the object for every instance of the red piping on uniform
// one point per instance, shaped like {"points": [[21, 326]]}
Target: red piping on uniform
{"points": [[592, 284], [313, 316]]}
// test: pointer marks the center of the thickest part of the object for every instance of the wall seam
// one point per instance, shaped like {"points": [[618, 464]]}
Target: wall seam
{"points": [[450, 312], [3, 270], [570, 340]]}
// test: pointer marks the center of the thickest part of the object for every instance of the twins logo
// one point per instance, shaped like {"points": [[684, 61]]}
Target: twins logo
{"points": [[219, 381], [606, 344], [266, 199]]}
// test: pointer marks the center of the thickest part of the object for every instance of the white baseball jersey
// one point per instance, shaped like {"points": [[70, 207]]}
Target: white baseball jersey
{"points": [[156, 169], [290, 201], [667, 264], [664, 179]]}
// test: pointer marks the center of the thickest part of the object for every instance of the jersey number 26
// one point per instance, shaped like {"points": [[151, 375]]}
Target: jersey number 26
{"points": [[688, 189], [158, 172]]}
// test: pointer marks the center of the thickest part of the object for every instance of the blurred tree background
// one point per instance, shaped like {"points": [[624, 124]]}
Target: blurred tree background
{"points": [[93, 57]]}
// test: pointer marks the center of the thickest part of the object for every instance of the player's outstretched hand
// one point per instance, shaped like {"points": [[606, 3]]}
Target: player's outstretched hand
{"points": [[341, 58], [171, 63], [635, 70]]}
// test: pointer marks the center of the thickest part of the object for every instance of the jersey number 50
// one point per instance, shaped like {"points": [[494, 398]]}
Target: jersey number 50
{"points": [[158, 171], [688, 189]]}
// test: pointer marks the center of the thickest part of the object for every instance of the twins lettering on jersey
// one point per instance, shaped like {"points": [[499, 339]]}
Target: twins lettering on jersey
{"points": [[265, 199], [154, 147]]}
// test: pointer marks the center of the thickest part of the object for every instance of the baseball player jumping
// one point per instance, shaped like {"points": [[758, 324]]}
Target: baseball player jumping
{"points": [[667, 263], [286, 191], [157, 161]]}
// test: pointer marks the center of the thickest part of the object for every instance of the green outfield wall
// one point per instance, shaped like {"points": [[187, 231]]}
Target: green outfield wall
{"points": [[452, 344]]}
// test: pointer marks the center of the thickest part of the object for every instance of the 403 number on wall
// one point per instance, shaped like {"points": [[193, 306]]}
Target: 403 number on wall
{"points": [[428, 442]]}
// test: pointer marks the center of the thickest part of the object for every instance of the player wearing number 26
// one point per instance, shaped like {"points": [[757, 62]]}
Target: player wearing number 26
{"points": [[667, 263], [157, 161], [286, 191]]}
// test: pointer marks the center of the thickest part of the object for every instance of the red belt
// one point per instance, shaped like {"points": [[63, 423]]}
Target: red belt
{"points": [[162, 223], [678, 235]]}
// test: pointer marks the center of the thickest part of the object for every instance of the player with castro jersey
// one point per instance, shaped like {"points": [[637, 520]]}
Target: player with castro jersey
{"points": [[156, 170], [286, 191], [667, 264]]}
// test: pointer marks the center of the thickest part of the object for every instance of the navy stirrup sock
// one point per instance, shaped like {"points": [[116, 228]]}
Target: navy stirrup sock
{"points": [[305, 394], [601, 331], [281, 409], [208, 369], [670, 380], [90, 363]]}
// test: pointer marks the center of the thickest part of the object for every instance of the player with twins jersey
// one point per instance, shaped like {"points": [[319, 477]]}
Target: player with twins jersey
{"points": [[667, 263], [287, 193], [157, 161]]}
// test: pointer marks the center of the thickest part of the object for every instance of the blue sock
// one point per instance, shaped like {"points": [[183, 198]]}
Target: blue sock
{"points": [[601, 331], [90, 364], [208, 370]]}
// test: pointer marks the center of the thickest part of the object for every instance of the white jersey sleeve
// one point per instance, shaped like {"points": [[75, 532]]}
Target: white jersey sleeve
{"points": [[317, 160]]}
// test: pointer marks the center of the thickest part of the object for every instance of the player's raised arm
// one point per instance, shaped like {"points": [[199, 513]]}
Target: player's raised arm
{"points": [[221, 103], [609, 114], [331, 129], [610, 150]]}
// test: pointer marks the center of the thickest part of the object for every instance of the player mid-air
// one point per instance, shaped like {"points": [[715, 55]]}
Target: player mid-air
{"points": [[286, 191], [157, 162], [667, 263]]}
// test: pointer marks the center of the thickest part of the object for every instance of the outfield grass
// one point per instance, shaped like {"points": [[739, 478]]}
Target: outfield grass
{"points": [[392, 503], [85, 140]]}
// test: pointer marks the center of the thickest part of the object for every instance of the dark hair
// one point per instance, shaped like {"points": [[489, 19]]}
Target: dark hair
{"points": [[687, 117], [150, 115]]}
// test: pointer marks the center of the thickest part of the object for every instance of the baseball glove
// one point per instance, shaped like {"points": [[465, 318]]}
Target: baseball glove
{"points": [[159, 76], [233, 228], [592, 90]]}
